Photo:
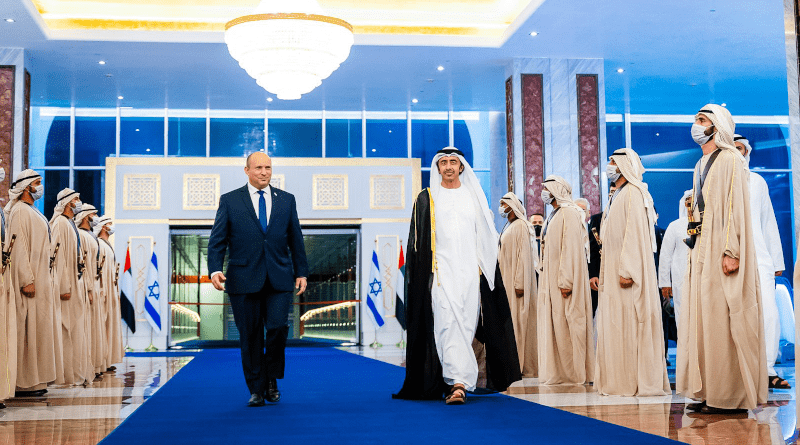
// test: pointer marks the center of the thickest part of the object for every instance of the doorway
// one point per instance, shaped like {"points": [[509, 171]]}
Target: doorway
{"points": [[327, 312]]}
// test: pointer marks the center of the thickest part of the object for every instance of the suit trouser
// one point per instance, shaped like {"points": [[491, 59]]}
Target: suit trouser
{"points": [[262, 359]]}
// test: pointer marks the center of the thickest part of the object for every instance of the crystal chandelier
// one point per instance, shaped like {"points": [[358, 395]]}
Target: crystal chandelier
{"points": [[289, 47]]}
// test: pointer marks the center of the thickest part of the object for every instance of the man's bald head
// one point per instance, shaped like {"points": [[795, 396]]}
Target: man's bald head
{"points": [[258, 169]]}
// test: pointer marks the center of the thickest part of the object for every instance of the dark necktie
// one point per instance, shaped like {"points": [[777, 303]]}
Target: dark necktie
{"points": [[262, 211]]}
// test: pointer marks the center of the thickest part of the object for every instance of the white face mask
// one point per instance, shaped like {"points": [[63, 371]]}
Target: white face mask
{"points": [[38, 192], [77, 207], [612, 172], [92, 222], [699, 135], [110, 229], [547, 197], [502, 211]]}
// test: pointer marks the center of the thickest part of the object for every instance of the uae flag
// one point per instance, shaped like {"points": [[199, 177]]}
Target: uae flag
{"points": [[126, 294], [400, 286]]}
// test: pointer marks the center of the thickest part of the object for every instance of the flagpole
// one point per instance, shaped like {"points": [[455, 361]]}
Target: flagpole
{"points": [[375, 344], [127, 341], [152, 347], [402, 343]]}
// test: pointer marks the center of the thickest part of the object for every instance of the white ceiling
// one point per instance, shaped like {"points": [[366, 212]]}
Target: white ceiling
{"points": [[677, 56]]}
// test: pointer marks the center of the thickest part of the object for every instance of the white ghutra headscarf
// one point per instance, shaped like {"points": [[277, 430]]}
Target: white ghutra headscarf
{"points": [[488, 238], [631, 168], [516, 206], [562, 194]]}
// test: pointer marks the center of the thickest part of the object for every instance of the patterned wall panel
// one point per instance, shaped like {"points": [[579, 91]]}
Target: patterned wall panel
{"points": [[200, 192], [533, 140], [589, 137], [278, 181], [6, 127], [387, 192], [330, 192], [141, 192], [510, 133], [26, 121]]}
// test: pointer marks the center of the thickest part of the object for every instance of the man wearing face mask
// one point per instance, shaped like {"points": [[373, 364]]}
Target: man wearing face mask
{"points": [[537, 220], [595, 250], [769, 254], [721, 348], [517, 265], [630, 340], [110, 292], [90, 247], [70, 288], [32, 285], [8, 322], [566, 342]]}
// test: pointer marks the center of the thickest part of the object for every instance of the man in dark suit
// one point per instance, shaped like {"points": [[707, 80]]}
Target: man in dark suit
{"points": [[258, 226]]}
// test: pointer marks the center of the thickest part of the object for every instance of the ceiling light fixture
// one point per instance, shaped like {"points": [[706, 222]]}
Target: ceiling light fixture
{"points": [[724, 104], [120, 98], [620, 70], [440, 68], [9, 20], [534, 34], [269, 99], [102, 62], [289, 48], [413, 101]]}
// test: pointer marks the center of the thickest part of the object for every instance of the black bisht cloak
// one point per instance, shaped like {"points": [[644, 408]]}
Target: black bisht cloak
{"points": [[495, 330]]}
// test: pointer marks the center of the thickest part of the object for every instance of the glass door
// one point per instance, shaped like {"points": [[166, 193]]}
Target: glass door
{"points": [[327, 311]]}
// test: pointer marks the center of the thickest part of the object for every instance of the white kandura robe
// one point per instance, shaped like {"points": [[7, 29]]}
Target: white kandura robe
{"points": [[30, 264], [90, 247], [8, 338], [566, 333], [630, 339], [110, 290], [769, 255], [517, 268], [455, 293], [673, 260], [73, 310]]}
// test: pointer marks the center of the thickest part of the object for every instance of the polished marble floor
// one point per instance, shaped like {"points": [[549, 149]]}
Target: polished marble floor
{"points": [[85, 415], [774, 423], [78, 415]]}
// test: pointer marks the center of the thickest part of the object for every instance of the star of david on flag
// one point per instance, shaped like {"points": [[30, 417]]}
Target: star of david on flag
{"points": [[375, 292], [152, 307]]}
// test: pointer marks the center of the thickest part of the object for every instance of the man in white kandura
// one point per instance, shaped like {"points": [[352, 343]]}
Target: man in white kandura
{"points": [[674, 256], [630, 337], [769, 255]]}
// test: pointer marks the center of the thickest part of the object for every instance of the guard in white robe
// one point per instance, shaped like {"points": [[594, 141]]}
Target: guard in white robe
{"points": [[769, 255], [674, 257]]}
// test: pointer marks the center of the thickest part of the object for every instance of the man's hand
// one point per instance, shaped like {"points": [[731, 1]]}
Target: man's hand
{"points": [[218, 280], [565, 292], [730, 265], [625, 282], [520, 292], [666, 292], [594, 283], [29, 290], [300, 284], [91, 297], [65, 297], [779, 273]]}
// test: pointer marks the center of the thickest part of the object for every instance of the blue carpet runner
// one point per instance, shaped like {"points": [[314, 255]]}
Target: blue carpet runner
{"points": [[333, 397]]}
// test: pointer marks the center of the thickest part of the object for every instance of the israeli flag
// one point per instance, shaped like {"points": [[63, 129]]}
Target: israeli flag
{"points": [[375, 292], [152, 295]]}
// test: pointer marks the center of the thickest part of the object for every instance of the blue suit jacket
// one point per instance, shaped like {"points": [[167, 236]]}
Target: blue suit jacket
{"points": [[252, 254]]}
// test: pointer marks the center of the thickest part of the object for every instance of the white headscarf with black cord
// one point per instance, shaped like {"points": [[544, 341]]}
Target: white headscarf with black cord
{"points": [[724, 127], [24, 179], [562, 194], [631, 168], [64, 197], [516, 206], [487, 235]]}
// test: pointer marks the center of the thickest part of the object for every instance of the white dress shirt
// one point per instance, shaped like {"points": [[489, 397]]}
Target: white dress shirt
{"points": [[254, 196]]}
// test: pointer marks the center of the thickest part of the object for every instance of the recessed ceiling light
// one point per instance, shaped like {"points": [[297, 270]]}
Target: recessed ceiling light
{"points": [[620, 70], [440, 68], [146, 149], [137, 129], [269, 99], [413, 101], [534, 34], [102, 62], [374, 150], [390, 131], [120, 98], [10, 20], [724, 104], [658, 134]]}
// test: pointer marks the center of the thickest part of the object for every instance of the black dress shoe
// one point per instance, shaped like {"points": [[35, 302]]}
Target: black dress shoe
{"points": [[35, 393], [2, 405], [255, 400], [272, 394]]}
